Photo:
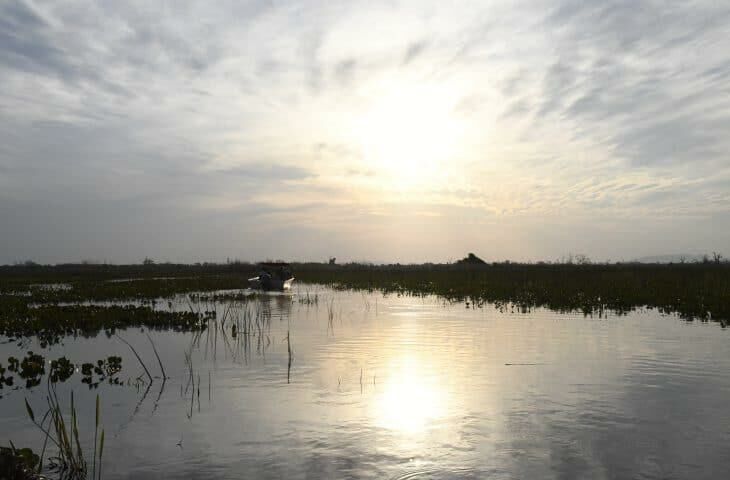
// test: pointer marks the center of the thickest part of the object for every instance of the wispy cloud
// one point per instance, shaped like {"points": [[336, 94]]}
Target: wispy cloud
{"points": [[568, 116]]}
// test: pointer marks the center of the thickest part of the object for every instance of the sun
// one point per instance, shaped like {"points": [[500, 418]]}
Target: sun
{"points": [[409, 137]]}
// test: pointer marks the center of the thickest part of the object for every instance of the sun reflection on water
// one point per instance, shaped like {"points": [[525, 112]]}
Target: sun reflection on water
{"points": [[410, 401]]}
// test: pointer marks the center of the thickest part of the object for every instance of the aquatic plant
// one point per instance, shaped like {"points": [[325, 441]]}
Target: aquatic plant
{"points": [[61, 370], [32, 368], [5, 380], [309, 299], [97, 413], [105, 369], [51, 323], [693, 291], [157, 355], [290, 356], [70, 461], [18, 463]]}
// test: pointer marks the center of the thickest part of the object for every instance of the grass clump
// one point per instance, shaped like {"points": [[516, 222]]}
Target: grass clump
{"points": [[70, 462]]}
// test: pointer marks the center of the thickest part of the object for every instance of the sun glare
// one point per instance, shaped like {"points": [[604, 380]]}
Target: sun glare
{"points": [[408, 138], [409, 402]]}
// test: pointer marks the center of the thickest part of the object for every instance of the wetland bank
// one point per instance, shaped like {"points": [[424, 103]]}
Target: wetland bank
{"points": [[362, 371]]}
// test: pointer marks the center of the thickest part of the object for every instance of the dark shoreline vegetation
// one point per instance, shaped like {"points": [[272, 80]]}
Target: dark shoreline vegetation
{"points": [[31, 305], [692, 291]]}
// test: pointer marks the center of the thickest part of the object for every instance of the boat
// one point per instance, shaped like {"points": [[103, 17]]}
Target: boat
{"points": [[273, 277]]}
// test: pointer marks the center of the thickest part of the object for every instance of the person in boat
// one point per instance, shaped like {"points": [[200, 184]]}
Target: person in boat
{"points": [[265, 279], [273, 276]]}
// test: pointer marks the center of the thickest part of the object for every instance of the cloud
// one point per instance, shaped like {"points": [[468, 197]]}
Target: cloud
{"points": [[25, 43], [414, 50], [592, 110], [631, 69], [267, 172]]}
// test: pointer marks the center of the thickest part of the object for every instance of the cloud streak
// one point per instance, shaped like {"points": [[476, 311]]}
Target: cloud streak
{"points": [[567, 115]]}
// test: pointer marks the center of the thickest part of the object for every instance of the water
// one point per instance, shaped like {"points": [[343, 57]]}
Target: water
{"points": [[404, 387]]}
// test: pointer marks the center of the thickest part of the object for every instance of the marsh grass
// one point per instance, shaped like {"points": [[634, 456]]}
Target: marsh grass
{"points": [[331, 315], [70, 462], [692, 291], [157, 355], [141, 362], [290, 357], [309, 299]]}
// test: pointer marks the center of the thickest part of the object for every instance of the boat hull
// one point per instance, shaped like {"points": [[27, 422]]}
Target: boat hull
{"points": [[270, 284]]}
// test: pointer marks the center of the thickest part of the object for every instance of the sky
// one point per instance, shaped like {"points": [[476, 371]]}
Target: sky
{"points": [[380, 131]]}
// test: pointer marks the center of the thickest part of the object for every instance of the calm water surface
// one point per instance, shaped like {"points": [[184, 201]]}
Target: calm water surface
{"points": [[404, 387]]}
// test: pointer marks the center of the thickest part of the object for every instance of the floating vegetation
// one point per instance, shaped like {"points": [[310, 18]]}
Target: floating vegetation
{"points": [[32, 368], [51, 323], [5, 380], [62, 369], [104, 370]]}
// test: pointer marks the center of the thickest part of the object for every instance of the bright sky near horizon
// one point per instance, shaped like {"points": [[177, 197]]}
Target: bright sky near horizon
{"points": [[385, 131]]}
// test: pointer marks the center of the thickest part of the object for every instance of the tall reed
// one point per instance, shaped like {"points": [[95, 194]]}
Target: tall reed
{"points": [[70, 460]]}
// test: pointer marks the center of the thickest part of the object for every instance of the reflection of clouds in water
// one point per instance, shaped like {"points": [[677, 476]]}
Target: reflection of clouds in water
{"points": [[655, 424]]}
